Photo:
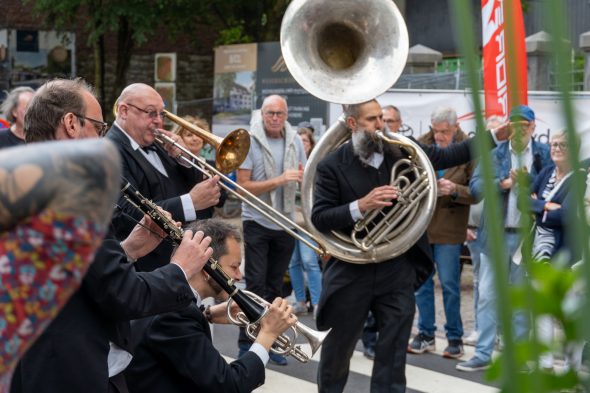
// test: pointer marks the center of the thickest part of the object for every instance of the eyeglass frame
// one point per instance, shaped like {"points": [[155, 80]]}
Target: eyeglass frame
{"points": [[562, 145], [151, 114], [104, 126], [271, 114]]}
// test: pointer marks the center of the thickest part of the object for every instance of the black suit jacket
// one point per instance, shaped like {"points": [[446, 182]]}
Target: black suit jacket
{"points": [[342, 178], [175, 354], [71, 355], [162, 190]]}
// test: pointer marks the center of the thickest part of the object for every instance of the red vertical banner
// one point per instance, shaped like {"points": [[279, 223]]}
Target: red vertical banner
{"points": [[504, 56]]}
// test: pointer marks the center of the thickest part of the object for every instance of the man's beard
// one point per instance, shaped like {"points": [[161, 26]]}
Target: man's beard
{"points": [[365, 144]]}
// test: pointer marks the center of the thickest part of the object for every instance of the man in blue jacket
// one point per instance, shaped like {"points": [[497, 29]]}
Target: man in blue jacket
{"points": [[521, 153]]}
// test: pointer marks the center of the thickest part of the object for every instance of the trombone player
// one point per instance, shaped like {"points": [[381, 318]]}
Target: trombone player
{"points": [[155, 172], [175, 351], [350, 182]]}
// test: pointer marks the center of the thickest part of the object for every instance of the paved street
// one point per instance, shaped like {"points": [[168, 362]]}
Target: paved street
{"points": [[429, 373]]}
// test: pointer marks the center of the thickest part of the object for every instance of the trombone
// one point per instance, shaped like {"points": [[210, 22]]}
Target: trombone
{"points": [[232, 148]]}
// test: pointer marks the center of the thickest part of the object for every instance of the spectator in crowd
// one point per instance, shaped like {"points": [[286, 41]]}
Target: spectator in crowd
{"points": [[176, 353], [197, 146], [392, 117], [49, 225], [551, 202], [475, 246], [192, 141], [521, 156], [156, 172], [304, 259], [446, 234], [13, 109], [272, 170], [96, 318]]}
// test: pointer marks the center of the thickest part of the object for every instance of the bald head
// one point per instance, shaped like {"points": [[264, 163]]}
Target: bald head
{"points": [[274, 115], [138, 112]]}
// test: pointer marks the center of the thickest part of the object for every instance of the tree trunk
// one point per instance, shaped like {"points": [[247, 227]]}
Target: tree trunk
{"points": [[124, 47]]}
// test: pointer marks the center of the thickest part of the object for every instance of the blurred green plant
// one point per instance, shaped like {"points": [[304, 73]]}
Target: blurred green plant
{"points": [[550, 288]]}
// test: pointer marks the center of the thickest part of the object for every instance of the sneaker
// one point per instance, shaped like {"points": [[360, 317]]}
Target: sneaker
{"points": [[279, 360], [471, 339], [299, 309], [421, 343], [454, 350], [473, 364], [369, 353]]}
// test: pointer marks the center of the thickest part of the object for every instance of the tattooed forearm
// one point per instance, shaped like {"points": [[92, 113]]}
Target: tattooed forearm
{"points": [[79, 178]]}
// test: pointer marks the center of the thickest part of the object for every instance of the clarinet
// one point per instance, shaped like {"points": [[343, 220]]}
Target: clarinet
{"points": [[251, 309]]}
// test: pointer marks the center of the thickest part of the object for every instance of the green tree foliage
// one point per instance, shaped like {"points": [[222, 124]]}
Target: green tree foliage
{"points": [[133, 22]]}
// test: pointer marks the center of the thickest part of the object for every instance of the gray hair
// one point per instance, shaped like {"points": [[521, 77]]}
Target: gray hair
{"points": [[218, 231], [11, 102], [561, 133], [391, 107], [442, 114], [353, 110], [49, 105]]}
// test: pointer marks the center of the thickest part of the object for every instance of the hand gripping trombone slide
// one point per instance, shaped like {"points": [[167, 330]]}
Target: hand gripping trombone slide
{"points": [[253, 308]]}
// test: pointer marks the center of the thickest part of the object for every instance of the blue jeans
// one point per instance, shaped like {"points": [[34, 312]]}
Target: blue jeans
{"points": [[475, 250], [486, 308], [448, 266], [305, 259]]}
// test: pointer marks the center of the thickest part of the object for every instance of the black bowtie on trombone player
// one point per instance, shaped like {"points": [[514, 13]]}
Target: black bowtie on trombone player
{"points": [[253, 308]]}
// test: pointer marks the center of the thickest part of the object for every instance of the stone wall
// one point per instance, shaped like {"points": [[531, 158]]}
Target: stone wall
{"points": [[194, 84]]}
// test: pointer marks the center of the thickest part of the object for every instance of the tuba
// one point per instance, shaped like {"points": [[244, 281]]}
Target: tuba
{"points": [[350, 52]]}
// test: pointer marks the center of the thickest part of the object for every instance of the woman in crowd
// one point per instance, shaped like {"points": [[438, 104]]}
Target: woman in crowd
{"points": [[304, 258], [199, 148], [549, 202]]}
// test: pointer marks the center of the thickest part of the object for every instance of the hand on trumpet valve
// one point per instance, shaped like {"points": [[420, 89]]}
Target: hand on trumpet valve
{"points": [[192, 253], [277, 320], [206, 193], [145, 237]]}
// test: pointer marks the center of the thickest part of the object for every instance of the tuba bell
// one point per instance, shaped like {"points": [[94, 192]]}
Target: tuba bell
{"points": [[350, 52], [344, 51]]}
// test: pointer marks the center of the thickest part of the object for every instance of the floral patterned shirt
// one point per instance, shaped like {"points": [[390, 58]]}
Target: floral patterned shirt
{"points": [[42, 262]]}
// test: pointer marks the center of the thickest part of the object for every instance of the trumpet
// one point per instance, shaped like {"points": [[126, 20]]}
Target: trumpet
{"points": [[284, 345], [252, 307]]}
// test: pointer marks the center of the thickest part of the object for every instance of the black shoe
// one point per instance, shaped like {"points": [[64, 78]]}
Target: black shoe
{"points": [[421, 343], [369, 353], [454, 350]]}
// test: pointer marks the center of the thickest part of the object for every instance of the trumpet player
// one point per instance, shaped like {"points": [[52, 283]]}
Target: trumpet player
{"points": [[174, 351], [155, 171]]}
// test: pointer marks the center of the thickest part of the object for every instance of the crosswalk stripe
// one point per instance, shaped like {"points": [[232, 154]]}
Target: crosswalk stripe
{"points": [[280, 382], [418, 378]]}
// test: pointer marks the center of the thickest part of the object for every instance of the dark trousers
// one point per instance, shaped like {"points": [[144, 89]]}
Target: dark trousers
{"points": [[267, 254], [350, 291], [369, 337]]}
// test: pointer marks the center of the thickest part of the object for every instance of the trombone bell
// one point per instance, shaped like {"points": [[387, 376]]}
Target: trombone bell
{"points": [[231, 151]]}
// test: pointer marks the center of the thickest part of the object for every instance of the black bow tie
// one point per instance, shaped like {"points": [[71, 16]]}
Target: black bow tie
{"points": [[149, 148]]}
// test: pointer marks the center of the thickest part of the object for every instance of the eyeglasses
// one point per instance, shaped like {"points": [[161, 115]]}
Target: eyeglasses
{"points": [[101, 127], [151, 114], [561, 145], [445, 131], [271, 114]]}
